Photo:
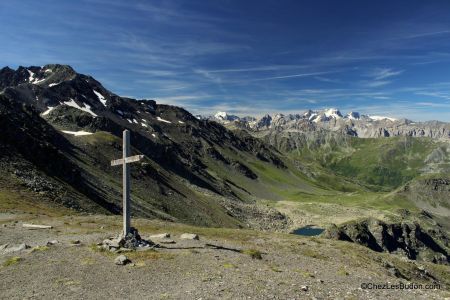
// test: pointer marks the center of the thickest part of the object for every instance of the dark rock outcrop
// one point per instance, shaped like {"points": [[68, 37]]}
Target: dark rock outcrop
{"points": [[409, 239]]}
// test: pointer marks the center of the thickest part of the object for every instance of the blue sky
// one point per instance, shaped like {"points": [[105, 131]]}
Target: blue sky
{"points": [[246, 57]]}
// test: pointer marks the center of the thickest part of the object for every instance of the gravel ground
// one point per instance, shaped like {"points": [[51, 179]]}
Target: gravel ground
{"points": [[290, 268]]}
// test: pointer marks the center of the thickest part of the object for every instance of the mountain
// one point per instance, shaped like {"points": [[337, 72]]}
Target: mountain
{"points": [[225, 118], [62, 128], [379, 153], [353, 123]]}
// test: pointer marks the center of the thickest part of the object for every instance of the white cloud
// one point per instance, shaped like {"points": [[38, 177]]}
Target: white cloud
{"points": [[383, 73], [377, 83]]}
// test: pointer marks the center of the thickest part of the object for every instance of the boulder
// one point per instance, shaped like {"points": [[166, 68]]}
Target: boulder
{"points": [[114, 243], [160, 236], [20, 247], [121, 260], [75, 243], [35, 226], [189, 236]]}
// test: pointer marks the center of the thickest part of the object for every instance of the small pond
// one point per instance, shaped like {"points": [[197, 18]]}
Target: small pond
{"points": [[309, 230]]}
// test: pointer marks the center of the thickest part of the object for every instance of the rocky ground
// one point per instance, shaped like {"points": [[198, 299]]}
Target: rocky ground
{"points": [[222, 264]]}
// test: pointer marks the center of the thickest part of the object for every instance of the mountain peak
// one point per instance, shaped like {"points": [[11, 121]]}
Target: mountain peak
{"points": [[353, 115], [221, 115], [380, 118], [224, 116], [333, 112]]}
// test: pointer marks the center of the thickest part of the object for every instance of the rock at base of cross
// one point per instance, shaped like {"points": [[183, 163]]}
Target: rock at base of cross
{"points": [[121, 260], [131, 241]]}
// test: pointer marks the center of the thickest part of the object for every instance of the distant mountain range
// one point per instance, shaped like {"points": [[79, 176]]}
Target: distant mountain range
{"points": [[353, 123]]}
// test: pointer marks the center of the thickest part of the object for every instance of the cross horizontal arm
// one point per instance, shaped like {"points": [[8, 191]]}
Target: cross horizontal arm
{"points": [[128, 160]]}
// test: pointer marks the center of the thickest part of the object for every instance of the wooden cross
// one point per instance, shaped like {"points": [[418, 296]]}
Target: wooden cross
{"points": [[124, 161]]}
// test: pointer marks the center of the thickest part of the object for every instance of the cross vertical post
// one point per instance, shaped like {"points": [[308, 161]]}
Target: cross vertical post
{"points": [[124, 161], [126, 183]]}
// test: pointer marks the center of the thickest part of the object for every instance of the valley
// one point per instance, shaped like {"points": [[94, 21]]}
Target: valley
{"points": [[221, 175]]}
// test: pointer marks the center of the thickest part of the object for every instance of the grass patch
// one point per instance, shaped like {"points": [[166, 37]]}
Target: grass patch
{"points": [[276, 269], [40, 249], [313, 254], [343, 272], [229, 266], [12, 261], [305, 274], [97, 248], [67, 282], [15, 197], [88, 261], [253, 253]]}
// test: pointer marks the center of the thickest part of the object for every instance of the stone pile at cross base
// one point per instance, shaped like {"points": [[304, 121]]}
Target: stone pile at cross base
{"points": [[130, 241]]}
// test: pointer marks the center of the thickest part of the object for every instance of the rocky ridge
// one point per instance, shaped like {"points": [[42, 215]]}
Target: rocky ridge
{"points": [[353, 124], [405, 238]]}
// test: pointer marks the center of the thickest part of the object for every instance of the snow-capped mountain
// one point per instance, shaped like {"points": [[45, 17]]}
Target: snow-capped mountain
{"points": [[352, 123], [353, 115], [315, 116], [223, 116]]}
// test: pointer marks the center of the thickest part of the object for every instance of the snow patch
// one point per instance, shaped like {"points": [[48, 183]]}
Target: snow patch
{"points": [[86, 108], [162, 120], [31, 77], [77, 133], [333, 113], [53, 84], [129, 121], [100, 97], [224, 116], [143, 124], [119, 112], [379, 118], [181, 122], [353, 115], [221, 115], [312, 116], [38, 81], [153, 135], [49, 109], [135, 121], [33, 80]]}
